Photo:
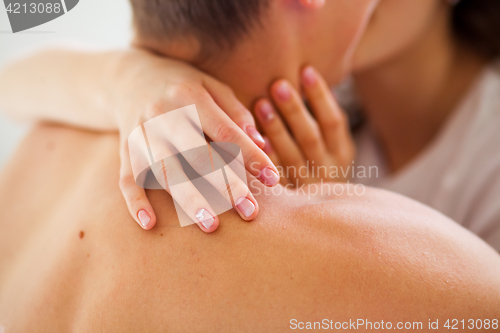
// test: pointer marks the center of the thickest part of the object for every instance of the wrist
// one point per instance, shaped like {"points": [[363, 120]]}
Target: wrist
{"points": [[126, 83]]}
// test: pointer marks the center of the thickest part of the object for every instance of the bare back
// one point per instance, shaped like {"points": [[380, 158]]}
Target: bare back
{"points": [[72, 259]]}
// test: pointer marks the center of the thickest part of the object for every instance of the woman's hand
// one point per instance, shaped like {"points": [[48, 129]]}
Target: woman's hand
{"points": [[151, 86], [307, 148], [120, 90]]}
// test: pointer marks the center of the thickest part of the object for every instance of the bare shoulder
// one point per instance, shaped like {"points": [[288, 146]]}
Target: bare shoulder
{"points": [[377, 255], [398, 256]]}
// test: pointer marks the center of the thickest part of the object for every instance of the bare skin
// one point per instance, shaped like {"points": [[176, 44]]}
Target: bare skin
{"points": [[70, 260]]}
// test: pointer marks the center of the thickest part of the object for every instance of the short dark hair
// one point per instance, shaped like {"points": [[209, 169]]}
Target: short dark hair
{"points": [[222, 22], [212, 22], [477, 23]]}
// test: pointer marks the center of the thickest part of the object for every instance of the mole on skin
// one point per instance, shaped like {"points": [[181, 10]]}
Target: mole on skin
{"points": [[81, 235]]}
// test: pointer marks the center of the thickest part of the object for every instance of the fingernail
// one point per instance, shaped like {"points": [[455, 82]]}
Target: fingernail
{"points": [[205, 218], [144, 218], [255, 135], [309, 76], [269, 177], [283, 91], [245, 206], [265, 111]]}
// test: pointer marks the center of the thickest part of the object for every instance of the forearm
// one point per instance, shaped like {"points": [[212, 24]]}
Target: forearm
{"points": [[62, 85]]}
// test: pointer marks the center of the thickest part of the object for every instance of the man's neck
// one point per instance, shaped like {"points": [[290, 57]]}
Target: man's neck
{"points": [[409, 98]]}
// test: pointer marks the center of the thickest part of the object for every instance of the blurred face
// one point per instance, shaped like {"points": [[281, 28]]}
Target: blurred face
{"points": [[293, 33], [326, 34], [395, 26]]}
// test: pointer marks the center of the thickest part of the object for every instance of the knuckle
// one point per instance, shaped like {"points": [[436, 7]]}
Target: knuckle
{"points": [[237, 188], [135, 199], [189, 202], [182, 94], [200, 158], [292, 109], [334, 122], [224, 132], [253, 154], [276, 129], [295, 161], [167, 167], [169, 172], [155, 109], [161, 170], [181, 90], [124, 182], [311, 140], [232, 181], [317, 93]]}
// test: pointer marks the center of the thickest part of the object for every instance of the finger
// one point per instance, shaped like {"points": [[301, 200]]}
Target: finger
{"points": [[153, 148], [282, 142], [268, 149], [207, 163], [234, 180], [171, 176], [220, 128], [196, 207], [227, 101], [177, 134], [243, 200], [135, 197], [301, 123], [331, 119]]}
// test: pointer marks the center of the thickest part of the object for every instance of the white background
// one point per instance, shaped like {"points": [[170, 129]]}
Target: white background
{"points": [[97, 23]]}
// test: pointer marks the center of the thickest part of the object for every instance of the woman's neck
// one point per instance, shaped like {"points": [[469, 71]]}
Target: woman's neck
{"points": [[408, 99]]}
